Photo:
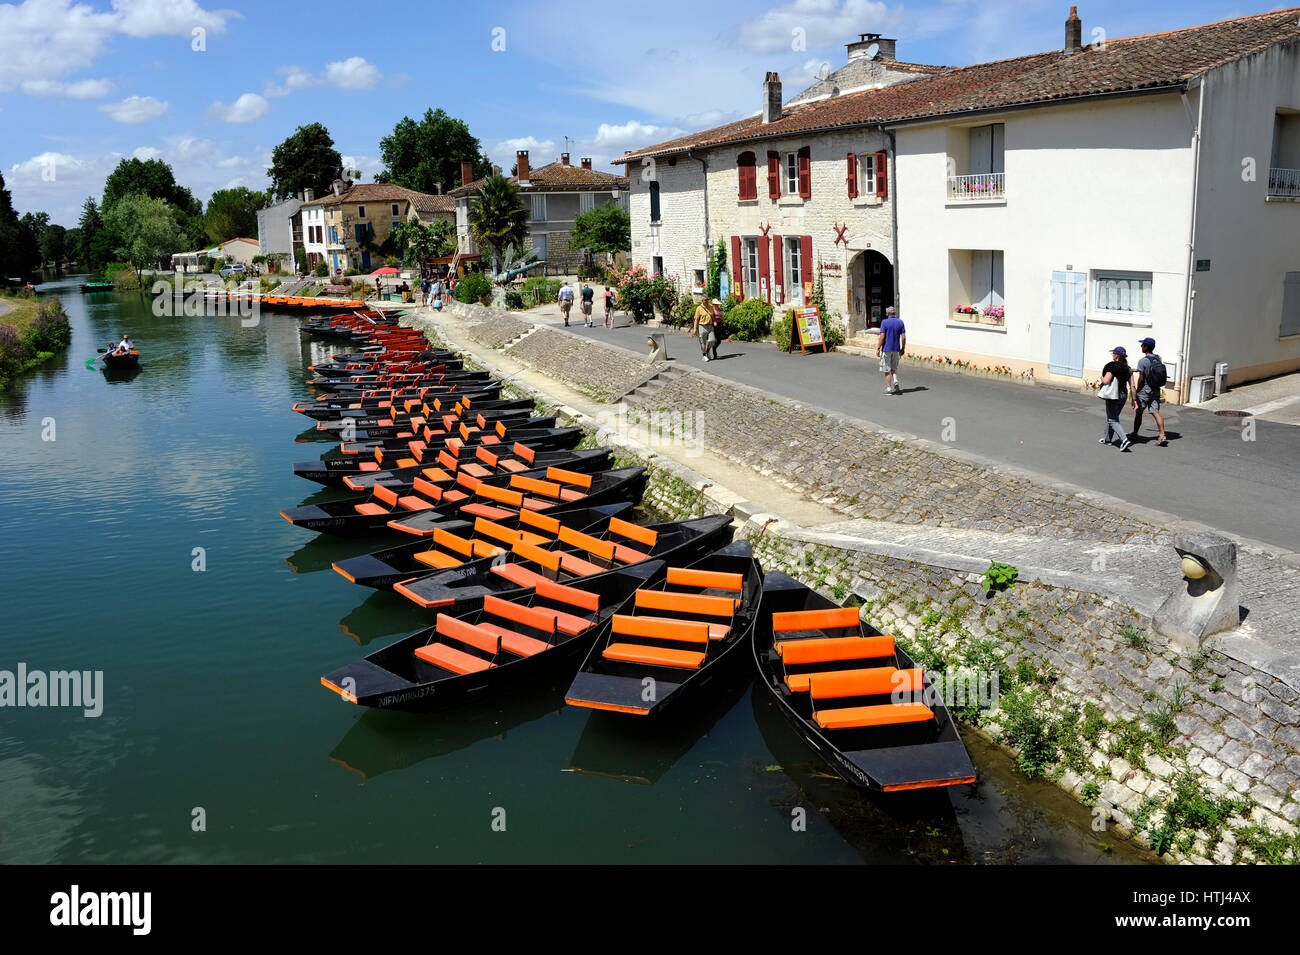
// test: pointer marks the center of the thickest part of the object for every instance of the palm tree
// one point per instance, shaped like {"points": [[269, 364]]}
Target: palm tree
{"points": [[497, 217]]}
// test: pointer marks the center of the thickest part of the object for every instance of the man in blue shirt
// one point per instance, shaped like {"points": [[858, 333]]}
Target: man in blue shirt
{"points": [[891, 345]]}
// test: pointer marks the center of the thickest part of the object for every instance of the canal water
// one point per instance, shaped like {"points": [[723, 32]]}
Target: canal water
{"points": [[141, 537]]}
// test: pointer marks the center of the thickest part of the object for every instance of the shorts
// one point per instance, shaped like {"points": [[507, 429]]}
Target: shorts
{"points": [[1149, 403], [586, 308], [706, 334], [889, 362], [564, 307]]}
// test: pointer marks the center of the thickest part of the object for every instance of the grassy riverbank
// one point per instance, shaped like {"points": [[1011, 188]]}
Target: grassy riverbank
{"points": [[32, 331]]}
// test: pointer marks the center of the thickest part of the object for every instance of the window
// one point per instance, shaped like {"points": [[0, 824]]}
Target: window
{"points": [[539, 245], [657, 266], [698, 275], [986, 149], [749, 253], [866, 174], [773, 175], [794, 269], [1284, 160], [1122, 293], [791, 174], [395, 212], [654, 201], [746, 176], [361, 212], [804, 164], [586, 201], [539, 208], [1290, 306]]}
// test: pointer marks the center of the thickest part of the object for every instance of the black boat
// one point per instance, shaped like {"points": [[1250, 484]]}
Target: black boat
{"points": [[681, 635], [487, 645], [130, 359], [89, 287], [455, 546], [445, 397], [480, 463], [577, 558], [853, 695], [437, 501]]}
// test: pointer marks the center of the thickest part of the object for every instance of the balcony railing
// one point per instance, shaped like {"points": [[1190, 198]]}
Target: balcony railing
{"points": [[981, 186], [1284, 183]]}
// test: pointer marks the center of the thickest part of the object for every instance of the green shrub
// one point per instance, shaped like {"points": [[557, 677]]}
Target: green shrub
{"points": [[321, 270], [999, 576], [122, 275], [474, 288], [781, 329], [749, 321], [514, 300], [50, 332], [683, 313], [351, 270]]}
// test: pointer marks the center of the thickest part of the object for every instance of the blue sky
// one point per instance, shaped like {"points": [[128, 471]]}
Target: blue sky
{"points": [[211, 89]]}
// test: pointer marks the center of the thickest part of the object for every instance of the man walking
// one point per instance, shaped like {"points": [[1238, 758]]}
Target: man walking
{"points": [[1148, 378], [565, 298], [889, 349], [588, 298]]}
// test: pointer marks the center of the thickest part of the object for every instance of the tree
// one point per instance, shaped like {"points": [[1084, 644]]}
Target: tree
{"points": [[418, 243], [154, 178], [53, 248], [497, 217], [306, 160], [72, 245], [96, 243], [19, 255], [232, 213], [421, 155], [146, 228], [717, 266], [606, 228]]}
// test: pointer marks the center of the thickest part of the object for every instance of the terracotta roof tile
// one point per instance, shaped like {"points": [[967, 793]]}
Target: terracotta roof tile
{"points": [[375, 192], [1123, 65]]}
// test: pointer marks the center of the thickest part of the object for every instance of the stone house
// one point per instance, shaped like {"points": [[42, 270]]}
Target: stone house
{"points": [[554, 195], [239, 250], [279, 229], [353, 215], [802, 188]]}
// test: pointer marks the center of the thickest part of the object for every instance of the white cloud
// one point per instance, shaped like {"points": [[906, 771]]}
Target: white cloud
{"points": [[48, 39], [354, 73], [146, 153], [368, 166], [295, 78], [631, 135], [814, 24], [135, 109], [248, 108], [230, 162], [145, 18], [80, 89]]}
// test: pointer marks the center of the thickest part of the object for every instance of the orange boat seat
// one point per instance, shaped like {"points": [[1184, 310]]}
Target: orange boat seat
{"points": [[654, 656], [449, 658], [884, 714], [519, 575], [438, 559], [827, 649], [483, 510], [872, 682], [371, 508], [831, 618], [717, 631]]}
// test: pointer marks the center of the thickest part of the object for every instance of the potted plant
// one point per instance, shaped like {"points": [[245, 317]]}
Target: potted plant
{"points": [[993, 315], [966, 313]]}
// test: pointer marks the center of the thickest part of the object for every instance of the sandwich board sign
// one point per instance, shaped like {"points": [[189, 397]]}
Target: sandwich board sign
{"points": [[807, 328]]}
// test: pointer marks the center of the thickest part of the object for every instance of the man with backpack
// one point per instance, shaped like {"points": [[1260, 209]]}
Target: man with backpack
{"points": [[1148, 378]]}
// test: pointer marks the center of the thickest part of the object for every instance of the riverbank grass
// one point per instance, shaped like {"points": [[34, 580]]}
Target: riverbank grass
{"points": [[32, 331]]}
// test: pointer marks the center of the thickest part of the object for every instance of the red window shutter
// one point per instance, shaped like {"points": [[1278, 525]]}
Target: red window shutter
{"points": [[762, 269], [805, 172], [737, 289], [773, 175], [747, 176], [778, 271], [806, 261], [882, 175], [853, 175]]}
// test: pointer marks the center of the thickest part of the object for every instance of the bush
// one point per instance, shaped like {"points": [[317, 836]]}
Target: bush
{"points": [[538, 290], [474, 288], [322, 270], [637, 293], [515, 300], [683, 313], [50, 332], [351, 270], [12, 353], [781, 329], [749, 321], [122, 275], [832, 331], [592, 273]]}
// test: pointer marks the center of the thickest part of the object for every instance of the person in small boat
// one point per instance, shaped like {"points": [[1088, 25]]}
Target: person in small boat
{"points": [[124, 346]]}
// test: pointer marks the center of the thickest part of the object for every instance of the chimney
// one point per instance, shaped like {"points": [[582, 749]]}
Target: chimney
{"points": [[521, 164], [885, 47], [466, 172], [771, 98], [586, 162], [337, 187], [308, 195], [1073, 32], [564, 159], [496, 170]]}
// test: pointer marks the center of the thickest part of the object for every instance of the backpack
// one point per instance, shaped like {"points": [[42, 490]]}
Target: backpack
{"points": [[1156, 375]]}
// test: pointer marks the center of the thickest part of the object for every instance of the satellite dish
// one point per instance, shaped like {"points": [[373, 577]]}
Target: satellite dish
{"points": [[873, 51], [824, 71]]}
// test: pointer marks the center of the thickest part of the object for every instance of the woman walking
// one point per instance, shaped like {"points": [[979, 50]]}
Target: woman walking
{"points": [[1114, 390]]}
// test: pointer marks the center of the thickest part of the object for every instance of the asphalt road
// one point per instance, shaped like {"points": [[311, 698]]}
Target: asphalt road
{"points": [[1207, 473]]}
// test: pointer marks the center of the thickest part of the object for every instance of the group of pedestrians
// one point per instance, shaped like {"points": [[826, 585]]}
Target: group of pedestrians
{"points": [[1144, 382], [432, 290], [587, 295]]}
